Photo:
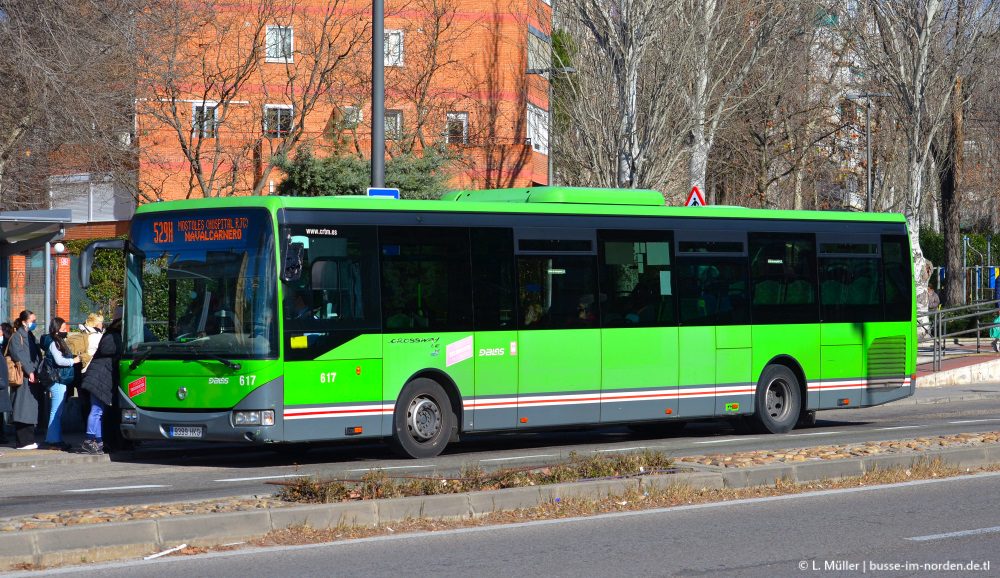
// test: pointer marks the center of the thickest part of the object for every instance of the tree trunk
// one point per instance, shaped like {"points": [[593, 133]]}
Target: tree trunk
{"points": [[951, 201]]}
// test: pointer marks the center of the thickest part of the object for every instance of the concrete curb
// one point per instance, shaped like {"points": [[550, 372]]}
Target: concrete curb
{"points": [[115, 540], [985, 372]]}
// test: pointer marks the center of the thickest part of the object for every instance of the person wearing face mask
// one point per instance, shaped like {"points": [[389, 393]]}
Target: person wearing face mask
{"points": [[58, 354], [24, 349]]}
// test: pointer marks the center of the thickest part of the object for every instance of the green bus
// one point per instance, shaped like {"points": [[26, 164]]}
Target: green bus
{"points": [[284, 320]]}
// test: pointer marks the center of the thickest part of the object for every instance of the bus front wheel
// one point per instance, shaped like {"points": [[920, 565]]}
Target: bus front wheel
{"points": [[778, 400], [423, 420]]}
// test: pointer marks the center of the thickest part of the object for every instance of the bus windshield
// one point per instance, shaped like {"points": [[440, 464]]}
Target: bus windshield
{"points": [[201, 285]]}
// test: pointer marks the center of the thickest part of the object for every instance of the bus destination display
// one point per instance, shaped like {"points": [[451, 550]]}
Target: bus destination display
{"points": [[194, 230]]}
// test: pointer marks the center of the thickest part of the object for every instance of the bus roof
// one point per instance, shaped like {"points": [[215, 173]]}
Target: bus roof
{"points": [[536, 200]]}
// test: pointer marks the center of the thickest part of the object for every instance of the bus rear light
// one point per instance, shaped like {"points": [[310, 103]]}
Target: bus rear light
{"points": [[130, 416]]}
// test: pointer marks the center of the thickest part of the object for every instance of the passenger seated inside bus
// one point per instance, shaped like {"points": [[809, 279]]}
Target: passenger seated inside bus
{"points": [[584, 316], [533, 315]]}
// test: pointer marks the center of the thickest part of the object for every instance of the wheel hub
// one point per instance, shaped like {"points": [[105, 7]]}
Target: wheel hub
{"points": [[777, 399], [423, 418]]}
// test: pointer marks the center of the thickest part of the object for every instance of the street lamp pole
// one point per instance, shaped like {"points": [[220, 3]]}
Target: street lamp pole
{"points": [[868, 142]]}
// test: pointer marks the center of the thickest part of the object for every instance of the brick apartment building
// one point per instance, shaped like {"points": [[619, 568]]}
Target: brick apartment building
{"points": [[227, 95], [223, 90]]}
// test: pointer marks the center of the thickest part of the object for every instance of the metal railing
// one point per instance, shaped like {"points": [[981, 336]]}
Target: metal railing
{"points": [[938, 332]]}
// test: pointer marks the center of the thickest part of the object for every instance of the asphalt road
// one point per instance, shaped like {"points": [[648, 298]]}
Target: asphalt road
{"points": [[164, 473], [916, 528]]}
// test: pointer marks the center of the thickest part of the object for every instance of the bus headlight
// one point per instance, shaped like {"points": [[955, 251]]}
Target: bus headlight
{"points": [[251, 418], [130, 416]]}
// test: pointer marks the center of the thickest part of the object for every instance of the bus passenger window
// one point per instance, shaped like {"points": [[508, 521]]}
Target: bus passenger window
{"points": [[425, 279], [637, 277], [334, 299], [558, 292]]}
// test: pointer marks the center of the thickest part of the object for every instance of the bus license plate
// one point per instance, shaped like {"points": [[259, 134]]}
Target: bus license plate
{"points": [[185, 432]]}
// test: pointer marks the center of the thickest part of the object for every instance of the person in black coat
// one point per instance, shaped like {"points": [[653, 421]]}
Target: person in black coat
{"points": [[24, 349], [99, 380], [5, 404]]}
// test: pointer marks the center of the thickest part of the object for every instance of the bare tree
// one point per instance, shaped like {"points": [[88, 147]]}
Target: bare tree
{"points": [[625, 123], [727, 39], [231, 86], [62, 105], [917, 50]]}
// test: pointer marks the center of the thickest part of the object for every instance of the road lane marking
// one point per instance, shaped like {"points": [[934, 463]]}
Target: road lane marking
{"points": [[559, 521], [519, 458], [899, 427], [726, 440], [992, 530], [118, 488], [617, 450], [974, 420], [816, 433], [394, 468], [262, 478]]}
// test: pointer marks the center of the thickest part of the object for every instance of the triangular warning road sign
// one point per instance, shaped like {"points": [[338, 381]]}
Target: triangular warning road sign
{"points": [[695, 199]]}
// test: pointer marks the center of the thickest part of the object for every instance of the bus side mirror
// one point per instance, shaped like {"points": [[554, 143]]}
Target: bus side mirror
{"points": [[87, 257], [292, 269]]}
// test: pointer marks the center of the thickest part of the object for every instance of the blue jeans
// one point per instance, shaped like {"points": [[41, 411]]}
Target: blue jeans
{"points": [[54, 434], [94, 419]]}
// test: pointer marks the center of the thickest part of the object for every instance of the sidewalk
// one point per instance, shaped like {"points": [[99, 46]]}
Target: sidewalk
{"points": [[962, 364]]}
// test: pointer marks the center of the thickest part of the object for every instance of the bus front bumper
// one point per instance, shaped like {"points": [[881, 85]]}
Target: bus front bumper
{"points": [[217, 425]]}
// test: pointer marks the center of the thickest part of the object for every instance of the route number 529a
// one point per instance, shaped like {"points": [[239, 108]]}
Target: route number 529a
{"points": [[328, 377]]}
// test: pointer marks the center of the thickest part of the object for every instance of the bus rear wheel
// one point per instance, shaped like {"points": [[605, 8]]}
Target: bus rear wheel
{"points": [[423, 420], [778, 400]]}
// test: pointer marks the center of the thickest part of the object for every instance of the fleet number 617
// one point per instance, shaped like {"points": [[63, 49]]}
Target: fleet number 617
{"points": [[327, 377]]}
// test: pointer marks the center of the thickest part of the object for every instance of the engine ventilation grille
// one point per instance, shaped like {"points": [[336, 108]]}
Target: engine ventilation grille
{"points": [[887, 362]]}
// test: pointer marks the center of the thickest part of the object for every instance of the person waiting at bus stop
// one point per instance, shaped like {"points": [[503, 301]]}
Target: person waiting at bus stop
{"points": [[99, 381], [24, 349], [58, 354]]}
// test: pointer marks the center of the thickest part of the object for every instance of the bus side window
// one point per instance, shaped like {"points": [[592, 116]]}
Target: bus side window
{"points": [[335, 297], [425, 279], [637, 278], [896, 266], [493, 279], [783, 278]]}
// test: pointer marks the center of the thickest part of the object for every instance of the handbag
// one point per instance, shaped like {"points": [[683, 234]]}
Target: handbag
{"points": [[15, 373], [48, 375]]}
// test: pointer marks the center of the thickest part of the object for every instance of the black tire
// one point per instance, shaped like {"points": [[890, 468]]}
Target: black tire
{"points": [[658, 428], [423, 420], [778, 402], [807, 419]]}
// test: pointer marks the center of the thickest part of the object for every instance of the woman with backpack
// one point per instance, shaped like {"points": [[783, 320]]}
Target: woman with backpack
{"points": [[57, 354], [24, 349], [100, 383]]}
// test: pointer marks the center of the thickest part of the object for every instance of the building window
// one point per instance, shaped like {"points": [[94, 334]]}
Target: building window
{"points": [[393, 55], [277, 120], [458, 128], [344, 118], [538, 129], [204, 120], [279, 44], [393, 125], [539, 55]]}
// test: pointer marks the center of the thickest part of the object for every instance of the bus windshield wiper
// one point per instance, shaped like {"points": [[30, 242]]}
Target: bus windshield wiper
{"points": [[226, 362], [143, 357]]}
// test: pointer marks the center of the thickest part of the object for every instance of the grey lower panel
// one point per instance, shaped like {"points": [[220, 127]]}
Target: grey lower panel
{"points": [[494, 419], [332, 428], [217, 425], [585, 413], [733, 404]]}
